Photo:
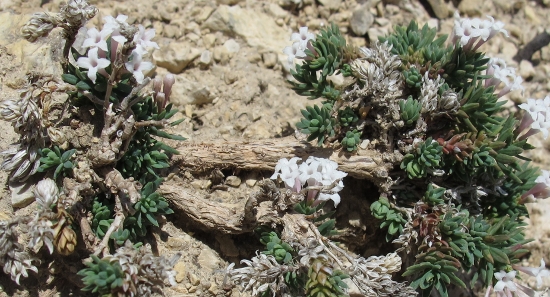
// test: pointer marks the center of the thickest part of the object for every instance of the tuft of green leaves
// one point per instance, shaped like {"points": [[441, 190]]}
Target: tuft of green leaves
{"points": [[351, 140], [391, 218], [417, 46], [435, 268], [410, 110], [434, 196], [325, 57], [58, 159], [146, 155], [151, 205], [102, 277], [282, 251], [413, 78], [347, 117], [426, 157], [317, 122]]}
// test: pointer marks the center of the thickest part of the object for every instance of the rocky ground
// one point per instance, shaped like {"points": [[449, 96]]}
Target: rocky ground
{"points": [[231, 85]]}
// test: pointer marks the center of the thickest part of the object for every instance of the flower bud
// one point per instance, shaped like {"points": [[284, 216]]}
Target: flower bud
{"points": [[157, 84], [169, 80]]}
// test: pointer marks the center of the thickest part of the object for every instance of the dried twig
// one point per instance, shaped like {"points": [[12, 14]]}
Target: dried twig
{"points": [[264, 154], [536, 44]]}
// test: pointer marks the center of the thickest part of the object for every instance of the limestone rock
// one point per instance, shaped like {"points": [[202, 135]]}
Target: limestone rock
{"points": [[21, 194], [469, 8], [179, 268], [440, 8], [41, 57], [361, 20], [186, 92], [175, 56], [208, 260], [526, 69], [233, 181], [259, 30], [331, 4]]}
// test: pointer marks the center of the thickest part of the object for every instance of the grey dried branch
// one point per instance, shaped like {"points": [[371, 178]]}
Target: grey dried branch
{"points": [[264, 154], [126, 193], [536, 44]]}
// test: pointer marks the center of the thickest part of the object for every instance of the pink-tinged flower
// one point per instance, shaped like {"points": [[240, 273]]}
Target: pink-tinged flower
{"points": [[288, 171], [294, 52], [93, 63], [541, 190], [537, 272], [114, 25], [302, 37], [472, 33], [137, 66], [97, 38], [532, 107], [143, 38], [505, 283], [502, 74]]}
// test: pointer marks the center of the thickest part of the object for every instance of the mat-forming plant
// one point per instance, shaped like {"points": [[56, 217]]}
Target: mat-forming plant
{"points": [[453, 202]]}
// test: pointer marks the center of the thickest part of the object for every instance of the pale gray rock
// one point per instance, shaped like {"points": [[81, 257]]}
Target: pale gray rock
{"points": [[259, 30], [331, 4], [440, 8], [469, 8], [233, 181], [208, 260], [361, 20], [21, 194], [205, 60], [186, 92], [526, 69], [175, 56], [270, 59]]}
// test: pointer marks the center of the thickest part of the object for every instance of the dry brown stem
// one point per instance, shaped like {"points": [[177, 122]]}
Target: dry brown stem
{"points": [[264, 154]]}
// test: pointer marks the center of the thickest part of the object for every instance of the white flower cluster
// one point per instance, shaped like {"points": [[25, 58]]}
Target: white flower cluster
{"points": [[538, 115], [502, 74], [472, 33], [315, 172], [96, 41], [506, 286], [297, 50]]}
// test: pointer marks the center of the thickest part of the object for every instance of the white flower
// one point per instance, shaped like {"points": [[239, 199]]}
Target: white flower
{"points": [[137, 65], [287, 170], [97, 38], [309, 172], [544, 178], [538, 272], [294, 52], [93, 63], [532, 107], [543, 124], [468, 31], [505, 281], [143, 38], [302, 37], [114, 25]]}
